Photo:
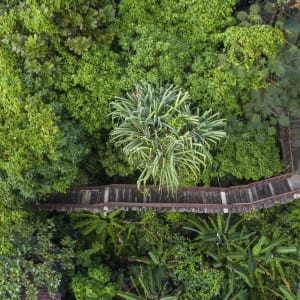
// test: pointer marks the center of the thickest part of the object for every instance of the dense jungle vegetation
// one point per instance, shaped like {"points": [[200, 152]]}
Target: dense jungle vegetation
{"points": [[72, 74]]}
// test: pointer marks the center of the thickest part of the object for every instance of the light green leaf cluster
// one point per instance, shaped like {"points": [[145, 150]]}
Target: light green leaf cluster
{"points": [[198, 279], [96, 285], [89, 84], [244, 64], [33, 141], [249, 45], [161, 136], [160, 40], [57, 34], [252, 156]]}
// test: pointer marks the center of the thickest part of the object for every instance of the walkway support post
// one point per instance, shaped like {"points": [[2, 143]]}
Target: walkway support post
{"points": [[106, 198]]}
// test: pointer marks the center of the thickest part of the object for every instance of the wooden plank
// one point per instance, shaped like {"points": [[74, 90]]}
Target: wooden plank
{"points": [[262, 191], [283, 197], [218, 198], [244, 196], [277, 187], [238, 196], [285, 186], [231, 199]]}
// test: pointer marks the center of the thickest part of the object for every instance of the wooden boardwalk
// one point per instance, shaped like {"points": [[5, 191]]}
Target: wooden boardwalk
{"points": [[257, 195]]}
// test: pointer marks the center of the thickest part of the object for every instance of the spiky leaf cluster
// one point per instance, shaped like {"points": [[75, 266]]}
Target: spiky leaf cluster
{"points": [[161, 136]]}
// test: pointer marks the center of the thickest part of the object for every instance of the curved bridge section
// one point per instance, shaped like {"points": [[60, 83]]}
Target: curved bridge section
{"points": [[257, 195]]}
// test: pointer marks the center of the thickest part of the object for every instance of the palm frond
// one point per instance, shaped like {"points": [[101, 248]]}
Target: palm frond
{"points": [[160, 135]]}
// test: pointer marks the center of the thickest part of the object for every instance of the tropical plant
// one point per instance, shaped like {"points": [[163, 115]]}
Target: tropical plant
{"points": [[29, 256], [251, 261], [96, 284], [267, 258], [104, 227], [58, 76], [149, 273], [130, 296], [194, 277], [152, 273], [154, 41], [150, 277], [147, 285], [161, 136], [247, 155], [287, 294]]}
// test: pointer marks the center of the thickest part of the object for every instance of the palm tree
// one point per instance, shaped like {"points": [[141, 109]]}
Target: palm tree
{"points": [[161, 136]]}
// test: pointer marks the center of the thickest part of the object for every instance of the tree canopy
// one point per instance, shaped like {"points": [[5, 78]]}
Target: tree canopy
{"points": [[66, 62], [129, 91]]}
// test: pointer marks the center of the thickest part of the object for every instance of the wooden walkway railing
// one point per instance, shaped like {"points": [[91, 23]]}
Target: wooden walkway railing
{"points": [[261, 194], [257, 195]]}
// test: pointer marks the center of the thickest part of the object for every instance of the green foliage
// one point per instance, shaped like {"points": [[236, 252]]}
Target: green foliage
{"points": [[62, 64], [249, 256], [10, 219], [98, 223], [161, 136], [249, 45], [72, 58], [288, 294], [130, 296], [142, 234], [89, 83], [39, 154], [151, 278], [95, 285], [150, 282], [281, 91], [283, 94], [252, 155], [59, 53], [243, 66], [108, 238], [294, 216], [103, 231], [29, 257], [199, 280], [114, 161], [59, 17], [102, 225], [162, 38], [249, 260]]}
